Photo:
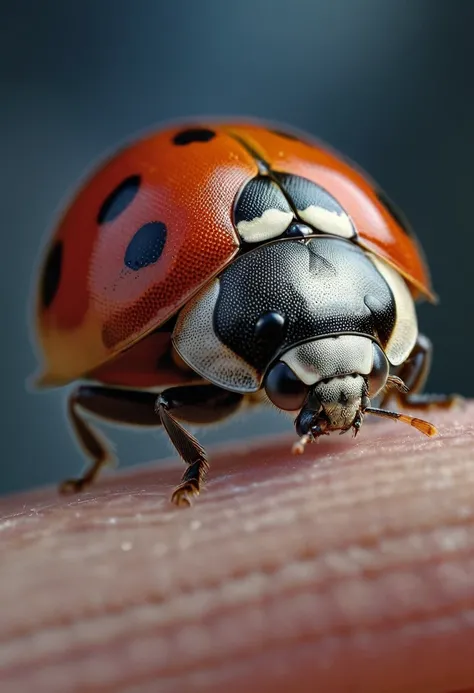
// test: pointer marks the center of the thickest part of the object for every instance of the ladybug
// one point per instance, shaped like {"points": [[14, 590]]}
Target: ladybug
{"points": [[206, 266]]}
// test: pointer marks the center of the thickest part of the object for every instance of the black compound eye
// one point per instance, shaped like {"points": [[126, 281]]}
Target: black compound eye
{"points": [[284, 388], [380, 371]]}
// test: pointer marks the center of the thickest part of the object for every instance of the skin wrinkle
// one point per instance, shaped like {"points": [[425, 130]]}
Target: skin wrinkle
{"points": [[340, 547], [313, 554], [273, 514], [269, 519], [294, 558], [366, 572], [327, 580], [352, 452], [189, 666], [207, 604], [354, 473]]}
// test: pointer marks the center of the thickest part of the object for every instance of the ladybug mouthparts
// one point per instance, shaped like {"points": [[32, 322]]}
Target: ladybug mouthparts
{"points": [[334, 404]]}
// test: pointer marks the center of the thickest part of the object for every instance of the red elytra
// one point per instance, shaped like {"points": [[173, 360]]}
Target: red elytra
{"points": [[97, 307]]}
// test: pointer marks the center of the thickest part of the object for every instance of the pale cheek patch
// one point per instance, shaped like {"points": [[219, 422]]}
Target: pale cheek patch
{"points": [[328, 221], [261, 212], [198, 345], [271, 224], [316, 206], [405, 330]]}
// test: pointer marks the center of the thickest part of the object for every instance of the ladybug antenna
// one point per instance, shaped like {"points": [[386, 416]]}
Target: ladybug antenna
{"points": [[420, 425]]}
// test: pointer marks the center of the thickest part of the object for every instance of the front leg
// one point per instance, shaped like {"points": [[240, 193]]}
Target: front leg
{"points": [[193, 403], [414, 373], [197, 404]]}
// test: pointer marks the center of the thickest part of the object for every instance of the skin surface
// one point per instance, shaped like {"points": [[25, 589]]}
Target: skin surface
{"points": [[347, 569]]}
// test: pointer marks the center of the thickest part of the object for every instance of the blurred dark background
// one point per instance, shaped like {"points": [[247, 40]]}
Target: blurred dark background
{"points": [[388, 83]]}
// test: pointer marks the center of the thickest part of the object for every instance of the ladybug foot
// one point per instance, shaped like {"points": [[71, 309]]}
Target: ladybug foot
{"points": [[298, 448], [184, 494], [70, 487]]}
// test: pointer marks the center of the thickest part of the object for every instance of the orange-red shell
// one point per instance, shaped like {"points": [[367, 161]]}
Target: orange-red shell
{"points": [[101, 307]]}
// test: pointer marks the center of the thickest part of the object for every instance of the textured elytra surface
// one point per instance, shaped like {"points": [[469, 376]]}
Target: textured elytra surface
{"points": [[105, 299], [186, 180], [350, 564]]}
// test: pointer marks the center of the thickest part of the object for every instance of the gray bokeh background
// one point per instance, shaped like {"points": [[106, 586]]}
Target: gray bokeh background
{"points": [[389, 83]]}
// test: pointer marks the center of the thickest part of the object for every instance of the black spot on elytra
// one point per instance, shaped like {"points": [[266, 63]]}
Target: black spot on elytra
{"points": [[193, 135], [51, 274], [146, 246], [394, 211], [119, 199]]}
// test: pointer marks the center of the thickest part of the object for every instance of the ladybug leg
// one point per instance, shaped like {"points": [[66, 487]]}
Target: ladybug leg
{"points": [[199, 404], [413, 373], [122, 406]]}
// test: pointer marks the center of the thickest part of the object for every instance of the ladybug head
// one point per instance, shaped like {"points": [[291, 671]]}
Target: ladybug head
{"points": [[331, 404], [330, 382]]}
